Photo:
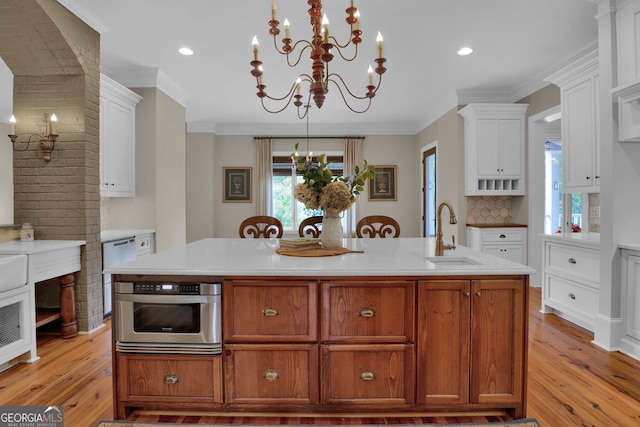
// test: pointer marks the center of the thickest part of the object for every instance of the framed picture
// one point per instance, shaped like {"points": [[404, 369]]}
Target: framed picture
{"points": [[237, 185], [383, 184]]}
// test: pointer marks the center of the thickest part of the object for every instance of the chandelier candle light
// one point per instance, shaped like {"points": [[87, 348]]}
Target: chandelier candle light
{"points": [[321, 46]]}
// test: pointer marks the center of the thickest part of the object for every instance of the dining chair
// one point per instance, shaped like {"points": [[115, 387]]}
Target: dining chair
{"points": [[378, 226], [309, 227], [261, 226]]}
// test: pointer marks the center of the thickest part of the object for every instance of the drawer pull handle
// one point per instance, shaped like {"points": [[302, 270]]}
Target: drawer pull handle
{"points": [[271, 375], [367, 376], [270, 311], [572, 296], [502, 236], [572, 261], [367, 312], [171, 379]]}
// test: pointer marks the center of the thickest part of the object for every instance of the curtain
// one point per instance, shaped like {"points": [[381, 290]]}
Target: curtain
{"points": [[263, 171], [352, 157]]}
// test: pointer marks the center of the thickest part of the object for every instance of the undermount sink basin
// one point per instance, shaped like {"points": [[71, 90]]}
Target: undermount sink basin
{"points": [[13, 271], [450, 261]]}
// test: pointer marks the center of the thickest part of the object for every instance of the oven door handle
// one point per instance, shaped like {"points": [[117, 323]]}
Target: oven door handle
{"points": [[168, 299]]}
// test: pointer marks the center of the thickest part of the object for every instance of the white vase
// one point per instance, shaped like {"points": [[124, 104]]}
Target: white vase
{"points": [[331, 236]]}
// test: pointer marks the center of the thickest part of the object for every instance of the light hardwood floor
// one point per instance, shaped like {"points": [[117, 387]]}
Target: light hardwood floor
{"points": [[571, 382]]}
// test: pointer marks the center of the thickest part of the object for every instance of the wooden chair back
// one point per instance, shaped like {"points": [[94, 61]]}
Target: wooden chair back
{"points": [[261, 226], [309, 227], [378, 226]]}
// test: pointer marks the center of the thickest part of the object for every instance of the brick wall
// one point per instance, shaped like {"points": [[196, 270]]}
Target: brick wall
{"points": [[56, 69]]}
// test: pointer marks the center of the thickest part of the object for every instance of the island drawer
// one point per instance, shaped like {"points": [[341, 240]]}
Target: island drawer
{"points": [[573, 261], [367, 374], [271, 373], [270, 311], [368, 311], [173, 377]]}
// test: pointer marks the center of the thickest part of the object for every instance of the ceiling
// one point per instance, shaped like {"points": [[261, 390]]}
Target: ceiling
{"points": [[517, 43]]}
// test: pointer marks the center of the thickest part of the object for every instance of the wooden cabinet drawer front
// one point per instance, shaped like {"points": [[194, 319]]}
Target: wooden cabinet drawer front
{"points": [[283, 373], [574, 261], [368, 374], [503, 235], [259, 311], [579, 300], [368, 311], [150, 377]]}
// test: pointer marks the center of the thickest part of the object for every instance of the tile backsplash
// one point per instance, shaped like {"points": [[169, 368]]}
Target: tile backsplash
{"points": [[489, 210]]}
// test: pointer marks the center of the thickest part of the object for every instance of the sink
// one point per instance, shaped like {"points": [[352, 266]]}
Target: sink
{"points": [[13, 271], [450, 261]]}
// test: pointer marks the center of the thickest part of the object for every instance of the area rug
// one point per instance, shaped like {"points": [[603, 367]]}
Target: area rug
{"points": [[525, 422]]}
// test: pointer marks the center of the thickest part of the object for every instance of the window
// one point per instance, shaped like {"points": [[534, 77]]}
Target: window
{"points": [[283, 183]]}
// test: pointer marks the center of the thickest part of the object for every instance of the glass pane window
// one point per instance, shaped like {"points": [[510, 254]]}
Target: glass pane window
{"points": [[284, 179]]}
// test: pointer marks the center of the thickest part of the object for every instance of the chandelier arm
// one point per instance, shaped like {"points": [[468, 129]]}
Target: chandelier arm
{"points": [[28, 141], [353, 95], [275, 111], [356, 97], [282, 52], [288, 95], [340, 47]]}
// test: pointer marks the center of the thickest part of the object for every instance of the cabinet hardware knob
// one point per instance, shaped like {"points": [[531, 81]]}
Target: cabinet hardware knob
{"points": [[367, 376], [270, 311], [572, 261], [502, 236], [366, 312], [572, 296], [171, 379], [465, 293], [271, 375], [478, 294], [588, 177], [597, 176]]}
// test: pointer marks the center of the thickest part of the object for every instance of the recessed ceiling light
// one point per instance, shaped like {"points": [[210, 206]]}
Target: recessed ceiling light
{"points": [[185, 51], [465, 51]]}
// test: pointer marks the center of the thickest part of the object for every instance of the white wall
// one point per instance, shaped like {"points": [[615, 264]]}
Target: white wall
{"points": [[6, 150], [240, 151], [160, 201], [200, 179]]}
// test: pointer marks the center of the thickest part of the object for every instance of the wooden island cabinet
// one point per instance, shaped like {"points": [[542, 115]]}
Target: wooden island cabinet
{"points": [[319, 343]]}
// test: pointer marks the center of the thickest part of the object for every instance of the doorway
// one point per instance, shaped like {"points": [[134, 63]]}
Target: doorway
{"points": [[540, 131], [429, 191]]}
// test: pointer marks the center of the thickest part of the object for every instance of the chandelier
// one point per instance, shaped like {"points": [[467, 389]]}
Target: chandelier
{"points": [[321, 47]]}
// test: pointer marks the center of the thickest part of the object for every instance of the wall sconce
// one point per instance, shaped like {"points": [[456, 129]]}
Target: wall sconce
{"points": [[47, 138]]}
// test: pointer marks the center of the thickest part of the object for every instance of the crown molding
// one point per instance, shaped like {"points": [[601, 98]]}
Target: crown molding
{"points": [[150, 78], [77, 8], [296, 129]]}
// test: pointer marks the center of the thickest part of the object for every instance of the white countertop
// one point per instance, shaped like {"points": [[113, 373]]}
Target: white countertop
{"points": [[592, 239], [248, 257], [117, 234], [629, 246], [36, 246]]}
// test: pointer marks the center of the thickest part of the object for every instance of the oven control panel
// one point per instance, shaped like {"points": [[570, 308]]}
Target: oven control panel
{"points": [[168, 288], [159, 288]]}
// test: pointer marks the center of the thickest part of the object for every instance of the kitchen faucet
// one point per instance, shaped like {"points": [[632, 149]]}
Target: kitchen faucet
{"points": [[440, 246]]}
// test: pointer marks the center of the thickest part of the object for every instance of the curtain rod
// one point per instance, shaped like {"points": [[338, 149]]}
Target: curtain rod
{"points": [[305, 137]]}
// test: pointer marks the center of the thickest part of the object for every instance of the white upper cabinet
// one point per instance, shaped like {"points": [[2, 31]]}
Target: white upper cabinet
{"points": [[579, 91], [494, 149], [628, 90], [117, 139]]}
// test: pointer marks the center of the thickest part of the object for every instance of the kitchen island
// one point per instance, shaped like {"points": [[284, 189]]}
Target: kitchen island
{"points": [[387, 329]]}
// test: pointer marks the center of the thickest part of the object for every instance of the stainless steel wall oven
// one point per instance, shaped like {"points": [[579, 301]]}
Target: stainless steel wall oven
{"points": [[167, 317]]}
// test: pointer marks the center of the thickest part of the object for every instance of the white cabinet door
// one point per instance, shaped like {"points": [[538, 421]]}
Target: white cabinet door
{"points": [[488, 148], [579, 87], [511, 146], [632, 298], [117, 139], [578, 133]]}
